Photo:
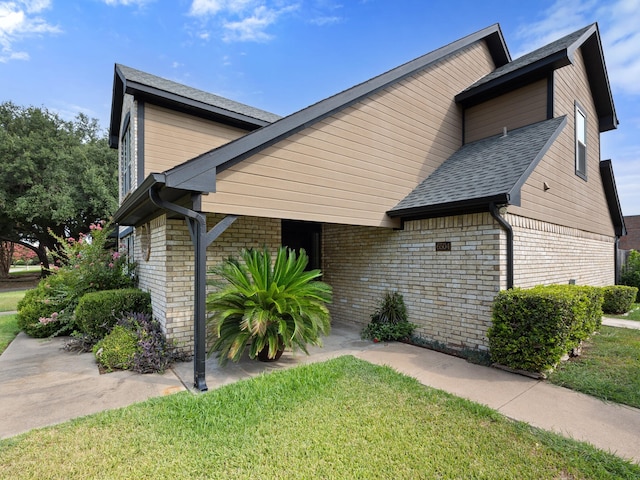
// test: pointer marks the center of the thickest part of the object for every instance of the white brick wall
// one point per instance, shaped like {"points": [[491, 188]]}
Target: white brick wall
{"points": [[168, 274], [552, 254], [448, 294]]}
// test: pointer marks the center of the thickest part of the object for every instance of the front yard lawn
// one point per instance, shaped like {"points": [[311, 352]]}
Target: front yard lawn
{"points": [[344, 418], [609, 367], [633, 314], [9, 300], [8, 330]]}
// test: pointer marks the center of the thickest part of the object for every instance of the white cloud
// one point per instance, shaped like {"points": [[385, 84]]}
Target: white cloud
{"points": [[18, 21], [126, 3], [619, 22], [239, 20], [251, 28], [212, 7], [322, 21]]}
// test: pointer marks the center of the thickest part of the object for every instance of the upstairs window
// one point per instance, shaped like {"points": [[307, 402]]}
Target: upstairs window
{"points": [[126, 167], [581, 142]]}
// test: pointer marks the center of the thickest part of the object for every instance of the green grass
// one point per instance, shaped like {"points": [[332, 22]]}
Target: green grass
{"points": [[609, 367], [8, 330], [633, 314], [9, 300], [341, 419]]}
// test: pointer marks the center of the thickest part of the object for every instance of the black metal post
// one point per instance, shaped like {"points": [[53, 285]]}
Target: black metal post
{"points": [[201, 239]]}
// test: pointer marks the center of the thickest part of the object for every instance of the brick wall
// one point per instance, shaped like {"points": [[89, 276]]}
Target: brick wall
{"points": [[448, 294], [168, 273], [545, 253]]}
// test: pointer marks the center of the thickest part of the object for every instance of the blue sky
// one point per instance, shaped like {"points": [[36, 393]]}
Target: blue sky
{"points": [[283, 55]]}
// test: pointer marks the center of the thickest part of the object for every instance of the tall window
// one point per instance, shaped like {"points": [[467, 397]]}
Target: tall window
{"points": [[126, 168], [581, 142]]}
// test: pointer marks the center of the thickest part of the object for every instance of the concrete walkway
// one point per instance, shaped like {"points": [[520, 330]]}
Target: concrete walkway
{"points": [[41, 385]]}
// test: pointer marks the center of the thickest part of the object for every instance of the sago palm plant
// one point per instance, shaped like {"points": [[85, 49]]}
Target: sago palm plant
{"points": [[274, 306]]}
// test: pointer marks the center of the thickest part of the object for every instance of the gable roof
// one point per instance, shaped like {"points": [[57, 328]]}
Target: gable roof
{"points": [[539, 63], [174, 95], [491, 170], [199, 173]]}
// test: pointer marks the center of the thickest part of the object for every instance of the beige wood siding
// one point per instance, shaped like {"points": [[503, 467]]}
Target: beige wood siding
{"points": [[352, 167], [518, 108], [570, 200], [171, 138]]}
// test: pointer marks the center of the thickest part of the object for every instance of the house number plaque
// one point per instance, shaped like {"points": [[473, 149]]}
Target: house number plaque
{"points": [[443, 246]]}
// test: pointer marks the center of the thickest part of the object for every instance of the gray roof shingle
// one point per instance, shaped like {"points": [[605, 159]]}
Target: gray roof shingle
{"points": [[530, 58], [169, 86], [483, 171]]}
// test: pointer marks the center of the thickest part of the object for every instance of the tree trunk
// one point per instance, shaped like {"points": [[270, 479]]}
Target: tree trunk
{"points": [[6, 255]]}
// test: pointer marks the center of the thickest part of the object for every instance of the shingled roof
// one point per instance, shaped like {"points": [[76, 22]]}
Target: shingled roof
{"points": [[491, 170], [541, 62], [175, 95]]}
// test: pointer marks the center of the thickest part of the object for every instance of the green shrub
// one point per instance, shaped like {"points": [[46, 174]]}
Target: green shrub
{"points": [[631, 272], [36, 314], [117, 350], [532, 329], [155, 353], [98, 312], [83, 265], [618, 298], [389, 320]]}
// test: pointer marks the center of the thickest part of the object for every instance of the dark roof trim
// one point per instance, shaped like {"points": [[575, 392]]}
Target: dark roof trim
{"points": [[613, 201], [138, 208], [490, 158], [474, 205], [196, 174], [514, 192], [142, 88], [512, 80], [539, 63]]}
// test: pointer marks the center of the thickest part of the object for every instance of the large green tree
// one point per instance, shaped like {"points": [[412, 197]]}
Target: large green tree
{"points": [[55, 175]]}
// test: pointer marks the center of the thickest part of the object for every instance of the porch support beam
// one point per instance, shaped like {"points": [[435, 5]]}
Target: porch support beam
{"points": [[201, 239]]}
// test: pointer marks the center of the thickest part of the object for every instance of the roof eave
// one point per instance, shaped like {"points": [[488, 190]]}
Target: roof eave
{"points": [[122, 86], [116, 108], [512, 80], [613, 201], [175, 101], [474, 205]]}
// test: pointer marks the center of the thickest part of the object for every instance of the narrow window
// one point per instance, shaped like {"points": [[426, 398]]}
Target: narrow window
{"points": [[581, 143], [125, 160]]}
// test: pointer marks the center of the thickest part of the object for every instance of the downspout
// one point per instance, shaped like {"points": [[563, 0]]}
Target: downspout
{"points": [[509, 231], [616, 261], [197, 223]]}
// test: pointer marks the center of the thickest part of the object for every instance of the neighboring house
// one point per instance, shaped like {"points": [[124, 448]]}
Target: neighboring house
{"points": [[448, 178], [631, 241]]}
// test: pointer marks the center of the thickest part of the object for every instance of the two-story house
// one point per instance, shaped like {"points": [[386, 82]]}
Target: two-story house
{"points": [[448, 178]]}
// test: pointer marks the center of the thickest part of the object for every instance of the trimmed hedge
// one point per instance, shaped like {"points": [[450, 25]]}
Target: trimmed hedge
{"points": [[618, 299], [98, 312], [532, 329]]}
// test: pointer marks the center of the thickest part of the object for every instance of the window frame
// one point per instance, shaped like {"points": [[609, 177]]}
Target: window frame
{"points": [[580, 142], [126, 160]]}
